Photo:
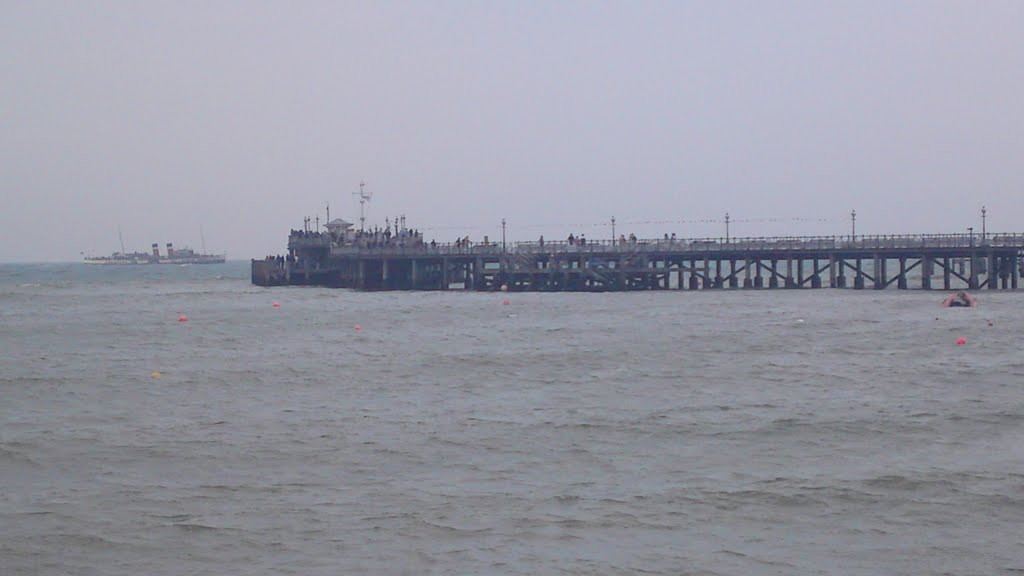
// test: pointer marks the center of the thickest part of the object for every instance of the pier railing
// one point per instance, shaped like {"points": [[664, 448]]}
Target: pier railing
{"points": [[709, 244]]}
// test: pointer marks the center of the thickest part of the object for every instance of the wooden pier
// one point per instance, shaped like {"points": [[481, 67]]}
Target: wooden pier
{"points": [[936, 261]]}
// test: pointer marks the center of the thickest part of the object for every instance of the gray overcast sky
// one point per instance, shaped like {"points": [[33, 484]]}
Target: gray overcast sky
{"points": [[243, 117]]}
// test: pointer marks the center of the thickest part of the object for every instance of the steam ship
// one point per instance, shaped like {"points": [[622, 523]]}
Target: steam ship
{"points": [[181, 256]]}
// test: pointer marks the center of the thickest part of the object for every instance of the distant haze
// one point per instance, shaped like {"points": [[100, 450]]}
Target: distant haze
{"points": [[159, 118]]}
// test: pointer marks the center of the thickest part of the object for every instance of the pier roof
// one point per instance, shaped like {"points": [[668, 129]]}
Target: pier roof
{"points": [[338, 223]]}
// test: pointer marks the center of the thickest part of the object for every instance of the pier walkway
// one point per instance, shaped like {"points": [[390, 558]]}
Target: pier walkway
{"points": [[929, 261]]}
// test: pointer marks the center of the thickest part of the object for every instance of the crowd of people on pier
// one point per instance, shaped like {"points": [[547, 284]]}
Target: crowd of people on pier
{"points": [[383, 238], [376, 237], [396, 236], [581, 240], [305, 234], [280, 261]]}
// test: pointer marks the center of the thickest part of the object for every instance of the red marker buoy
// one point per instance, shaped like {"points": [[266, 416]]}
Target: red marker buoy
{"points": [[276, 304], [505, 302], [961, 341], [182, 318], [358, 327]]}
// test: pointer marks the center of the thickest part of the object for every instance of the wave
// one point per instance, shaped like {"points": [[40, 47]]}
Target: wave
{"points": [[194, 527], [793, 499], [456, 530], [15, 457], [904, 483]]}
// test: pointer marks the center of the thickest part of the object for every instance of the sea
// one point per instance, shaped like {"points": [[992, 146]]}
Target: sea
{"points": [[171, 420]]}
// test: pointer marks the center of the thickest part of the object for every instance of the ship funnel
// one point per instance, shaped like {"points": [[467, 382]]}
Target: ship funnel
{"points": [[170, 250], [156, 250]]}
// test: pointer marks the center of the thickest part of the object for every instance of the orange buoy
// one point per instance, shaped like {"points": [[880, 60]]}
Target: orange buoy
{"points": [[155, 375], [505, 302], [182, 318]]}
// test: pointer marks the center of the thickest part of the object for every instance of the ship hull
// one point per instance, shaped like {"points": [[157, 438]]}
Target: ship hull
{"points": [[180, 261], [180, 257], [194, 259]]}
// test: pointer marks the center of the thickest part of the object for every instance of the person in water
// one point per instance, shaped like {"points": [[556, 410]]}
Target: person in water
{"points": [[960, 299]]}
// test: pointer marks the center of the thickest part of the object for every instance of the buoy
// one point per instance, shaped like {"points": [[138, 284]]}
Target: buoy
{"points": [[358, 327], [799, 320], [276, 304], [155, 374], [961, 341], [504, 287], [182, 318], [505, 302]]}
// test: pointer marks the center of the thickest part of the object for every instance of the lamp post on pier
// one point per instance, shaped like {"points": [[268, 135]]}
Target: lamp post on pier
{"points": [[503, 235], [613, 230], [726, 227], [970, 234], [853, 224], [983, 224]]}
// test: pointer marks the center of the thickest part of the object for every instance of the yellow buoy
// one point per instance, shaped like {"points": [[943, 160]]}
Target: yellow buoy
{"points": [[155, 374]]}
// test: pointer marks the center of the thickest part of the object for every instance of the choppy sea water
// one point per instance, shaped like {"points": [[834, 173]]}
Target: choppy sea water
{"points": [[723, 432]]}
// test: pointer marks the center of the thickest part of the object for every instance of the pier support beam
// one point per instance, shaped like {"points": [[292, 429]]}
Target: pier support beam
{"points": [[1013, 272], [993, 271]]}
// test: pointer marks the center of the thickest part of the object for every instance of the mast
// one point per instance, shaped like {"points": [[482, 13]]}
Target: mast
{"points": [[120, 237], [202, 238], [364, 197]]}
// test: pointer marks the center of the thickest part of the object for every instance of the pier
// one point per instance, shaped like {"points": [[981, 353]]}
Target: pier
{"points": [[930, 261]]}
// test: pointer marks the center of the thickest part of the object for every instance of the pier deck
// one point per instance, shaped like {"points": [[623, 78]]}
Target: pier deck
{"points": [[935, 261]]}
